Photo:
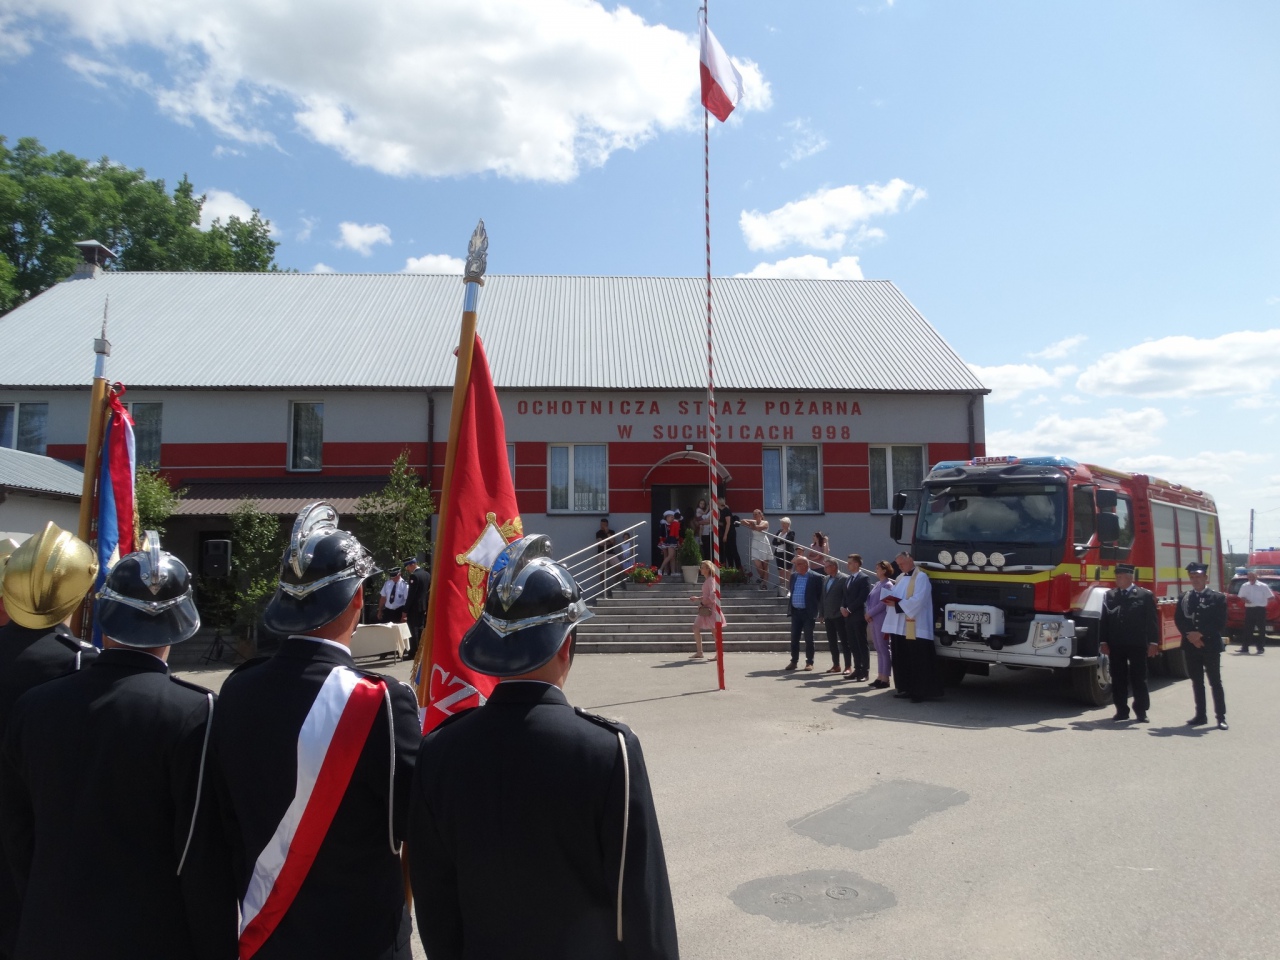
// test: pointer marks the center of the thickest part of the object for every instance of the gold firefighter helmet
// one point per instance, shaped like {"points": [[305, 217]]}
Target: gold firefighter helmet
{"points": [[47, 577], [6, 547]]}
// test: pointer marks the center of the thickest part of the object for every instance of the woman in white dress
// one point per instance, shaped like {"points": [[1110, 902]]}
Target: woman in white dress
{"points": [[761, 552]]}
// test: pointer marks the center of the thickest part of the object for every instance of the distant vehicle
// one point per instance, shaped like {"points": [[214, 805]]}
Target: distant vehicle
{"points": [[1235, 606], [1021, 551], [1265, 561]]}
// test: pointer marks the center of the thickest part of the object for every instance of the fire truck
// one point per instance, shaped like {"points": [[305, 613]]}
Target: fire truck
{"points": [[1021, 550]]}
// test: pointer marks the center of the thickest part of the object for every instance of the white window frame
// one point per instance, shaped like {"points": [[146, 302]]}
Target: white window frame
{"points": [[892, 486], [17, 405], [782, 449], [289, 460], [160, 403], [601, 509]]}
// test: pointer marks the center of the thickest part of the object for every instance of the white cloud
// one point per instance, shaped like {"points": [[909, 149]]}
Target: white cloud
{"points": [[805, 141], [434, 263], [304, 231], [526, 89], [809, 267], [222, 205], [1011, 380], [1246, 361], [322, 268], [362, 237], [1205, 471], [1059, 348], [1092, 439], [221, 150], [824, 219]]}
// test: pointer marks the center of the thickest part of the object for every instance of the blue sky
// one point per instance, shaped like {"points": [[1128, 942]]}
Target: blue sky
{"points": [[1082, 197]]}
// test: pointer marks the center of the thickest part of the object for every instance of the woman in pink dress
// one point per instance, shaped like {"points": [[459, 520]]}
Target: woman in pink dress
{"points": [[875, 617], [706, 618]]}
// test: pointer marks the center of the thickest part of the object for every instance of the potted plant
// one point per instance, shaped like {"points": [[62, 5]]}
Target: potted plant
{"points": [[641, 574], [732, 575], [689, 556]]}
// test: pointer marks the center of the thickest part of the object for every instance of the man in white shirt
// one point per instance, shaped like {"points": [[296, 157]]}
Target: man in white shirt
{"points": [[392, 599], [1256, 595], [909, 624]]}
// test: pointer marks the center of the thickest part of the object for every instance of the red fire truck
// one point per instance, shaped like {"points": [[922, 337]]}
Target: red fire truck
{"points": [[1020, 552]]}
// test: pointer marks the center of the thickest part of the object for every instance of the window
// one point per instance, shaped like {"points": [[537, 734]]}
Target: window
{"points": [[511, 460], [306, 435], [23, 426], [146, 432], [893, 469], [1124, 513], [577, 478], [1084, 520], [792, 480]]}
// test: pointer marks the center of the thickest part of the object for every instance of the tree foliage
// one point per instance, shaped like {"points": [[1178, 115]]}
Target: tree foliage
{"points": [[153, 499], [394, 520], [48, 201], [257, 543]]}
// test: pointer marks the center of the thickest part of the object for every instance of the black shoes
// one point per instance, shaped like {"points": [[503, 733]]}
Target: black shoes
{"points": [[1120, 715], [1142, 717], [1197, 721], [880, 685], [791, 666], [1222, 723]]}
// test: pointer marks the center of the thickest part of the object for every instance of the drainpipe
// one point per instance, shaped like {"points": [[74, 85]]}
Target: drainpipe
{"points": [[431, 456], [973, 439]]}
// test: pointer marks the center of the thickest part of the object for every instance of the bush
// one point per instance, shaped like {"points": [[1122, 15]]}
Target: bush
{"points": [[732, 575], [643, 574]]}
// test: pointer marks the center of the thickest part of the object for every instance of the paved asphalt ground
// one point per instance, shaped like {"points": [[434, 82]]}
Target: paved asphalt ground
{"points": [[806, 818]]}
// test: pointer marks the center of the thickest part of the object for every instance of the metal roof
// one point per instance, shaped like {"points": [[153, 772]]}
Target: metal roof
{"points": [[220, 498], [398, 331], [30, 471]]}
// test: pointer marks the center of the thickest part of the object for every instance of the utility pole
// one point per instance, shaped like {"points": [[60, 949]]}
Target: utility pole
{"points": [[1250, 533]]}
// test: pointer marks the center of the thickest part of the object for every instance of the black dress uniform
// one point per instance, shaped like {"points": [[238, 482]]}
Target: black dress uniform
{"points": [[103, 816], [1128, 625], [416, 605], [351, 901], [516, 836], [533, 833], [1204, 611]]}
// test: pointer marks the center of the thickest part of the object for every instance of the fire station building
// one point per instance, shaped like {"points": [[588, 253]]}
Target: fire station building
{"points": [[288, 388]]}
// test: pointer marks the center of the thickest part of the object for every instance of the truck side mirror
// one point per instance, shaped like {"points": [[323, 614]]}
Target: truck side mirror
{"points": [[1108, 528], [899, 502], [895, 527], [1106, 500]]}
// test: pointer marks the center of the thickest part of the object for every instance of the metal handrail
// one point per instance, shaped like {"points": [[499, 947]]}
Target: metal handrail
{"points": [[800, 548], [618, 533]]}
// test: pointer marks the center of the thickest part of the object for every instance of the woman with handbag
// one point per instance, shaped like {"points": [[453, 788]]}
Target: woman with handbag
{"points": [[706, 618]]}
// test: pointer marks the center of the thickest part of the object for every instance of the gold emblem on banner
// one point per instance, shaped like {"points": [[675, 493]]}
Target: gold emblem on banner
{"points": [[484, 552]]}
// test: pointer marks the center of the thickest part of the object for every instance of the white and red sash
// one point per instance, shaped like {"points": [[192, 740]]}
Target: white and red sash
{"points": [[329, 744]]}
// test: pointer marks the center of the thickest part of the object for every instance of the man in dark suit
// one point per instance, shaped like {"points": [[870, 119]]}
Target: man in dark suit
{"points": [[416, 606], [729, 556], [313, 760], [1129, 633], [1201, 618], [805, 605], [832, 601], [551, 803], [857, 587], [106, 828], [36, 646]]}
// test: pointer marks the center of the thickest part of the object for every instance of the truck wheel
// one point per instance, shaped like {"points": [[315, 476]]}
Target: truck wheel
{"points": [[1092, 684], [952, 672], [1175, 663]]}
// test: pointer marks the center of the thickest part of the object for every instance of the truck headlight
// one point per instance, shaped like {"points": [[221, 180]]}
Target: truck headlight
{"points": [[997, 559], [962, 558], [979, 558], [944, 557]]}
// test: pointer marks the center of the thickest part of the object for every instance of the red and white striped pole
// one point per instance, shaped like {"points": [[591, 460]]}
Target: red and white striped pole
{"points": [[714, 466]]}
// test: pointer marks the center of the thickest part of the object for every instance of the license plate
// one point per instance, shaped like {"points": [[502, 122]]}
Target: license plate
{"points": [[972, 616]]}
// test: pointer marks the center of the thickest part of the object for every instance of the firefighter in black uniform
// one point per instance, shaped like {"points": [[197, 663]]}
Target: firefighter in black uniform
{"points": [[104, 813], [1201, 617], [532, 832], [416, 605], [45, 580], [314, 787], [1129, 633]]}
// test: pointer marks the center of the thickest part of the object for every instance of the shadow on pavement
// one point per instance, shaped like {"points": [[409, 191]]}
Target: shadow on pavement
{"points": [[670, 696]]}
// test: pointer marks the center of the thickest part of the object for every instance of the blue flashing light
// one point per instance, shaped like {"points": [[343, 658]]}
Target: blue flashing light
{"points": [[1064, 463]]}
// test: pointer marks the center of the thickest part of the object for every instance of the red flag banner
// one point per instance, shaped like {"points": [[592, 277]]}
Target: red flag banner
{"points": [[721, 81], [482, 519]]}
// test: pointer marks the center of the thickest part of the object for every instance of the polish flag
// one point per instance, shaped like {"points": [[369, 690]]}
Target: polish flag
{"points": [[721, 81]]}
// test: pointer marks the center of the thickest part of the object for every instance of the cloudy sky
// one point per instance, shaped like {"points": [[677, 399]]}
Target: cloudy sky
{"points": [[1082, 197]]}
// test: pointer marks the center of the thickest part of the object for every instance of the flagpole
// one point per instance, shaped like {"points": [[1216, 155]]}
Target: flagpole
{"points": [[93, 447], [473, 280], [714, 466]]}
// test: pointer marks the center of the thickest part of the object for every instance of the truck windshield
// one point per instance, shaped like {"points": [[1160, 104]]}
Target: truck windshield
{"points": [[993, 512]]}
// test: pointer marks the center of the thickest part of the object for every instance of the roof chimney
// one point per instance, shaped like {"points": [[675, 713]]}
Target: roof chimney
{"points": [[95, 256]]}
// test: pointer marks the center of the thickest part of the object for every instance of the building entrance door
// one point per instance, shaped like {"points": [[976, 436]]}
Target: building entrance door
{"points": [[673, 497]]}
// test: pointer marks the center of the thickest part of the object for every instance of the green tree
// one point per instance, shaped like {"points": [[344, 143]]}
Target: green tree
{"points": [[394, 520], [48, 201], [153, 499], [257, 543]]}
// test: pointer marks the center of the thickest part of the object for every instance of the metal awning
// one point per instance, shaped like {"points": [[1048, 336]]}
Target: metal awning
{"points": [[697, 455], [284, 497]]}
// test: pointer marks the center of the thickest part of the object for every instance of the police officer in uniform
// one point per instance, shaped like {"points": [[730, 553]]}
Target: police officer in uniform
{"points": [[105, 815], [313, 761], [416, 605], [533, 832], [45, 581], [1129, 633], [1201, 618]]}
